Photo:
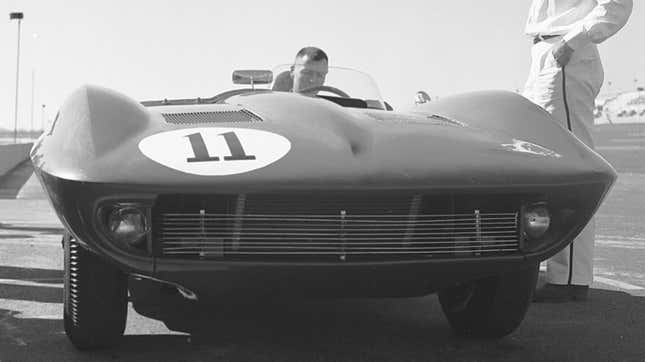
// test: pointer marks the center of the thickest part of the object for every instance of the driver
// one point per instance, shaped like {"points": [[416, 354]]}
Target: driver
{"points": [[309, 70]]}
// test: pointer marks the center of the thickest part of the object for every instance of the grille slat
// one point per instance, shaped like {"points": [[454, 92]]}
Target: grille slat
{"points": [[404, 222], [321, 244], [398, 251], [327, 215], [281, 235], [310, 231], [267, 227]]}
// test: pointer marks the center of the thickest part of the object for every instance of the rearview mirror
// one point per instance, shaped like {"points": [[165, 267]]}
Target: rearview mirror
{"points": [[252, 77]]}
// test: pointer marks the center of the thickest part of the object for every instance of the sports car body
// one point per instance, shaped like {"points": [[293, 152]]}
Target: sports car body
{"points": [[266, 193]]}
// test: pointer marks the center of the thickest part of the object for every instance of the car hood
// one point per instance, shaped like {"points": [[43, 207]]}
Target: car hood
{"points": [[98, 137]]}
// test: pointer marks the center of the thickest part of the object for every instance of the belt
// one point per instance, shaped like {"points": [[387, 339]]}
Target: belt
{"points": [[538, 38]]}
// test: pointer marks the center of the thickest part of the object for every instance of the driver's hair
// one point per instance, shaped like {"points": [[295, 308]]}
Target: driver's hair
{"points": [[313, 53]]}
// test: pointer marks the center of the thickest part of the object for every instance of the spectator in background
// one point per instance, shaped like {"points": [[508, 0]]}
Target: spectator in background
{"points": [[565, 77]]}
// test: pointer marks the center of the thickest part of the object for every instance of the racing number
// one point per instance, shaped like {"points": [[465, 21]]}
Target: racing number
{"points": [[199, 149], [201, 152]]}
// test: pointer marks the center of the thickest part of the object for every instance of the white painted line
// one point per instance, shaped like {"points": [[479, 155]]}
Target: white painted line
{"points": [[55, 242], [618, 274], [33, 310], [630, 139], [22, 224], [28, 283], [633, 238], [616, 283], [620, 244]]}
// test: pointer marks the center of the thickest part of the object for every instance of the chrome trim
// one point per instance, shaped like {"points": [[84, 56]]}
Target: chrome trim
{"points": [[237, 223], [343, 240], [342, 234], [185, 292], [412, 216]]}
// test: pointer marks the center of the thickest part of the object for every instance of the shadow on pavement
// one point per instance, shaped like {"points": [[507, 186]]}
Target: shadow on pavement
{"points": [[30, 293], [11, 183], [47, 292], [607, 327], [31, 274], [42, 230]]}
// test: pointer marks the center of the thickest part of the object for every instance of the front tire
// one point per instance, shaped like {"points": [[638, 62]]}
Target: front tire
{"points": [[491, 307], [95, 298]]}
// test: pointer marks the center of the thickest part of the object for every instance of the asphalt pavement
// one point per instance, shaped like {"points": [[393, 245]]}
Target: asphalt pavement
{"points": [[610, 326]]}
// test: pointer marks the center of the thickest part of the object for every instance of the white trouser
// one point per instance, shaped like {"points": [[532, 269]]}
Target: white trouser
{"points": [[584, 77]]}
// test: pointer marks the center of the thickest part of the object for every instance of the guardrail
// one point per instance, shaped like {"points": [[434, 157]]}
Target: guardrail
{"points": [[12, 156]]}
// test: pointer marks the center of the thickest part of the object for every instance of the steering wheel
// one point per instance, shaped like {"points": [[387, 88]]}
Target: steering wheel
{"points": [[327, 88]]}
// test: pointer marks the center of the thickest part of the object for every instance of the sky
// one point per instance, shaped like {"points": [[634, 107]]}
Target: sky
{"points": [[155, 49]]}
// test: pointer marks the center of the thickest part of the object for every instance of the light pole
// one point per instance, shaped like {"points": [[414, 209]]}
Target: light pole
{"points": [[42, 116], [33, 87], [19, 17]]}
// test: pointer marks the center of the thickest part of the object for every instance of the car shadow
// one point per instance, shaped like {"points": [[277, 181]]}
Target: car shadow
{"points": [[40, 230], [31, 284], [31, 274], [607, 327], [12, 181]]}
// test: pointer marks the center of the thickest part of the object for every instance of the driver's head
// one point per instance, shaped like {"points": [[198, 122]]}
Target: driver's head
{"points": [[309, 69]]}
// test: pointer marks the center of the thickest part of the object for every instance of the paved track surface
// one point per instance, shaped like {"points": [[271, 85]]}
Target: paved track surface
{"points": [[608, 327]]}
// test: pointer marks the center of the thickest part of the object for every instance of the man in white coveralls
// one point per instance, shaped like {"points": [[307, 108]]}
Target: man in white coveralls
{"points": [[565, 77]]}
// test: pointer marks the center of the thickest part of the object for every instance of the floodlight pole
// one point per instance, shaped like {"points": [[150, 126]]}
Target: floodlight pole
{"points": [[33, 87], [16, 16], [42, 116]]}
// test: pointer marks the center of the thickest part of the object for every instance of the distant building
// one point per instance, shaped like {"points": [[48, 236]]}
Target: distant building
{"points": [[628, 107]]}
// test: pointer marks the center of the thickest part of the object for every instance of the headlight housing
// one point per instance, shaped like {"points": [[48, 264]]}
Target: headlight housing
{"points": [[127, 224], [535, 221]]}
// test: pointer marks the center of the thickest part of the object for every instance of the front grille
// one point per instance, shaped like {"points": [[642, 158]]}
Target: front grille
{"points": [[337, 227], [223, 116]]}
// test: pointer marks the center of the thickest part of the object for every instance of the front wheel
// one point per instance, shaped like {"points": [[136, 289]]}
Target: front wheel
{"points": [[491, 307], [95, 298]]}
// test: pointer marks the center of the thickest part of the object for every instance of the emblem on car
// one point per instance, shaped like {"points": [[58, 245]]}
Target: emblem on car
{"points": [[531, 148], [215, 151]]}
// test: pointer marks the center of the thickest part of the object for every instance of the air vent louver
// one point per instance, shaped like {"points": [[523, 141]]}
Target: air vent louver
{"points": [[226, 116]]}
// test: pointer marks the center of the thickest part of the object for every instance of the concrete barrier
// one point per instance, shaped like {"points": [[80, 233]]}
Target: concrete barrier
{"points": [[13, 155]]}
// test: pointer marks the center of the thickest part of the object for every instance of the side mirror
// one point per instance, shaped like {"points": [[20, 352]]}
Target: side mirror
{"points": [[252, 77], [421, 97]]}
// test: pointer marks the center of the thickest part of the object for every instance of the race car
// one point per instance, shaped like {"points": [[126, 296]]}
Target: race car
{"points": [[258, 194]]}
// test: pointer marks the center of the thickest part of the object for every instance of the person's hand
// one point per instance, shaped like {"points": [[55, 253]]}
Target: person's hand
{"points": [[562, 53]]}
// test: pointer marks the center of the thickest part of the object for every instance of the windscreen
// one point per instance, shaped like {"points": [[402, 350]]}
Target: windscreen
{"points": [[337, 82]]}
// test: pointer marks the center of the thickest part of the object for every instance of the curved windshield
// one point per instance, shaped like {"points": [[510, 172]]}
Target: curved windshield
{"points": [[344, 86], [336, 83]]}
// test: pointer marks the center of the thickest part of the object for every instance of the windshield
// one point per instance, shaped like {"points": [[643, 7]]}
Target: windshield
{"points": [[344, 86], [337, 83]]}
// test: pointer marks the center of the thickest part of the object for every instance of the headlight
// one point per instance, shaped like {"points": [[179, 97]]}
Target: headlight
{"points": [[128, 225], [536, 220]]}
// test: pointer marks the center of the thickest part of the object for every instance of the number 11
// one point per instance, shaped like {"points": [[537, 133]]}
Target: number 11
{"points": [[201, 152]]}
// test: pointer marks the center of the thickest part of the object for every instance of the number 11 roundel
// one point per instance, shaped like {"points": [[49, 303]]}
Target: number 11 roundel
{"points": [[215, 151]]}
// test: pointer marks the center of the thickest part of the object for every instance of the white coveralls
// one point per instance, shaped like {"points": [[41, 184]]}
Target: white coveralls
{"points": [[581, 24]]}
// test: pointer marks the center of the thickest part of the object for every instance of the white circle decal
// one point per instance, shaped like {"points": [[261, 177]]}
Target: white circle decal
{"points": [[215, 151]]}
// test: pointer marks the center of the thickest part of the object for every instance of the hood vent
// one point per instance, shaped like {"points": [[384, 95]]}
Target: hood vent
{"points": [[432, 119], [223, 116]]}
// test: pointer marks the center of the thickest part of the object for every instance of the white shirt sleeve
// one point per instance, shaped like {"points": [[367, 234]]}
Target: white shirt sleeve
{"points": [[603, 21]]}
